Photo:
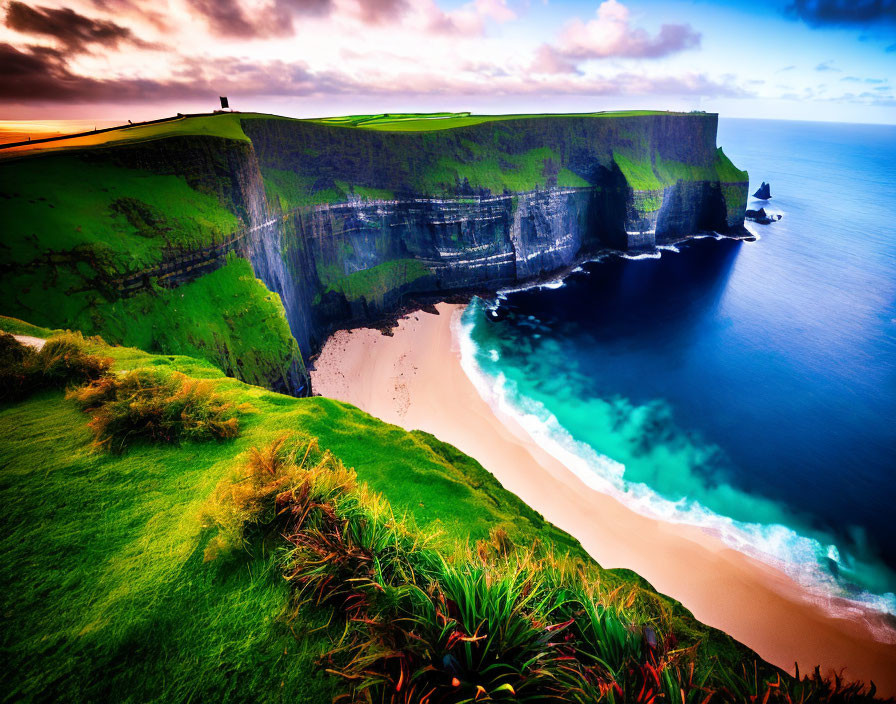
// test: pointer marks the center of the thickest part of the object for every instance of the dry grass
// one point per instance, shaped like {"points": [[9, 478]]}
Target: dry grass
{"points": [[154, 406], [61, 362]]}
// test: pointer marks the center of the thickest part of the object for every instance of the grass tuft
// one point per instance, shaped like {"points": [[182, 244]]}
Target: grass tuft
{"points": [[154, 406], [62, 361]]}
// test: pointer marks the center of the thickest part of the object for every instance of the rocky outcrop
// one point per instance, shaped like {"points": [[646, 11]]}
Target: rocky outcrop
{"points": [[764, 192], [761, 217]]}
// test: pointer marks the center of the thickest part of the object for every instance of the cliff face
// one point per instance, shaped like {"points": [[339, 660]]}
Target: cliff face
{"points": [[435, 212], [344, 223], [355, 261]]}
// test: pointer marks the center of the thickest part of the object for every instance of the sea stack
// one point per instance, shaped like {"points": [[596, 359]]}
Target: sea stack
{"points": [[763, 192], [761, 216]]}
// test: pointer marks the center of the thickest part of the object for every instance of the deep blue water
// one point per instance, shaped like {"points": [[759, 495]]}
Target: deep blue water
{"points": [[750, 387]]}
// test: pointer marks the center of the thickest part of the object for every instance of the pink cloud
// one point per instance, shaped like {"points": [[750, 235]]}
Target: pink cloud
{"points": [[611, 34]]}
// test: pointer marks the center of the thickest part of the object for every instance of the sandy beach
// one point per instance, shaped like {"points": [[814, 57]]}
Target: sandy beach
{"points": [[414, 379]]}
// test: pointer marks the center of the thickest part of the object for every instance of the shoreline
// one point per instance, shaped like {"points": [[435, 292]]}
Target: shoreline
{"points": [[415, 379]]}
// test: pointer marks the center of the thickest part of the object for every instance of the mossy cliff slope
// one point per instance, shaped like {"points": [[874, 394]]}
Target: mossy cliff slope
{"points": [[119, 584], [147, 235]]}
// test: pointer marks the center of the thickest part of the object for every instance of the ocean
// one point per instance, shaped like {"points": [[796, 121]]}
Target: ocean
{"points": [[748, 387]]}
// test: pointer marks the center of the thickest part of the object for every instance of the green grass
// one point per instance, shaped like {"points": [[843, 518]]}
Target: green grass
{"points": [[225, 125], [638, 172], [290, 190], [431, 122], [64, 204], [727, 171], [106, 596], [365, 192], [513, 172], [373, 283], [14, 326], [643, 174], [228, 317]]}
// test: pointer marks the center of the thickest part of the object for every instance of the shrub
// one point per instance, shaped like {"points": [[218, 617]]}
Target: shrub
{"points": [[278, 483], [61, 362], [154, 406]]}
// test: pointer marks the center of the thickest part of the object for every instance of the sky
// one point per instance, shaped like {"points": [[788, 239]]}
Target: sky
{"points": [[831, 60]]}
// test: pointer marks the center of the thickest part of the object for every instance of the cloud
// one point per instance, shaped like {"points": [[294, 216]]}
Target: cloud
{"points": [[74, 31], [225, 18], [610, 34], [229, 18], [786, 68], [820, 13], [826, 66], [467, 20], [382, 10], [549, 60], [41, 75]]}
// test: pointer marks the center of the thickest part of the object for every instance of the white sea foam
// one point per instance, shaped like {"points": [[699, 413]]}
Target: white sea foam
{"points": [[642, 255], [777, 544]]}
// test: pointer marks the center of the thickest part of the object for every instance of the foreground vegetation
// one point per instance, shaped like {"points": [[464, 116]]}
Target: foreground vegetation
{"points": [[208, 540]]}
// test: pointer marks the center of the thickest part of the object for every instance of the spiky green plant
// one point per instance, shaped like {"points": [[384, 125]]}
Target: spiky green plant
{"points": [[749, 685]]}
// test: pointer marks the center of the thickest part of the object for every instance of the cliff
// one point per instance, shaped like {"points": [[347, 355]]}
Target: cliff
{"points": [[341, 219]]}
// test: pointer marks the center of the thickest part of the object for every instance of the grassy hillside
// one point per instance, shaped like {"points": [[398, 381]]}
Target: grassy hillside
{"points": [[122, 218], [116, 586], [78, 223], [225, 125]]}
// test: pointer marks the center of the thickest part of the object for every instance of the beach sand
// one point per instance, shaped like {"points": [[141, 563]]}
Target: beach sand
{"points": [[414, 379]]}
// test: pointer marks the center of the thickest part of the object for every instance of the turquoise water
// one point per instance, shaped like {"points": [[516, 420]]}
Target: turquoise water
{"points": [[749, 387]]}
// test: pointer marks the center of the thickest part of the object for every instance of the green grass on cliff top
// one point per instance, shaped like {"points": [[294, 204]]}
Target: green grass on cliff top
{"points": [[227, 317], [105, 593], [224, 125], [429, 122], [227, 125]]}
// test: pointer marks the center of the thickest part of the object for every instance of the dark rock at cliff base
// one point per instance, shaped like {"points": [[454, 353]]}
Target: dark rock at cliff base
{"points": [[764, 192], [761, 216], [497, 314]]}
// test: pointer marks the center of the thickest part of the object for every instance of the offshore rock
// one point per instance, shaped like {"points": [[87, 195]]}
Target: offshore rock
{"points": [[761, 217], [763, 192]]}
